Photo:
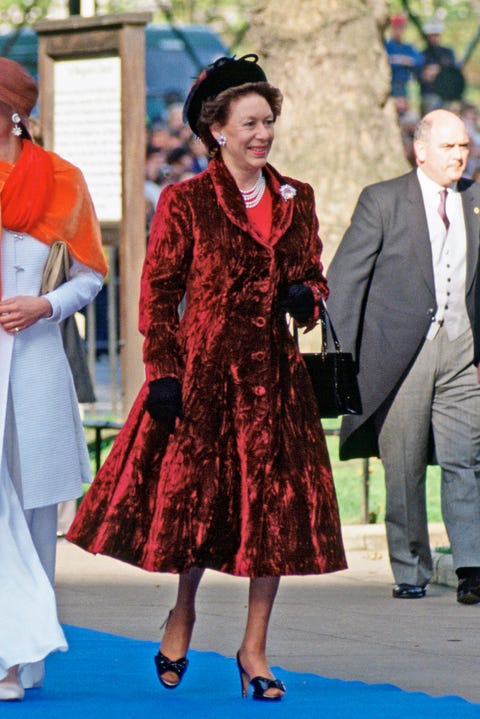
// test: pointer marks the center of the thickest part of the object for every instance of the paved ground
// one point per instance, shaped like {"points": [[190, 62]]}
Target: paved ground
{"points": [[344, 625]]}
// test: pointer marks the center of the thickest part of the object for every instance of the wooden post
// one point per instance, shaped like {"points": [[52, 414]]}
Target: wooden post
{"points": [[365, 490], [108, 49]]}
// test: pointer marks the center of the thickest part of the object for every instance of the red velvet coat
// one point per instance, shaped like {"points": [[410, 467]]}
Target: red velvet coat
{"points": [[244, 485]]}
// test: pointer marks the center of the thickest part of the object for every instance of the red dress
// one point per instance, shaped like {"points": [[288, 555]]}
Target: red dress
{"points": [[244, 485]]}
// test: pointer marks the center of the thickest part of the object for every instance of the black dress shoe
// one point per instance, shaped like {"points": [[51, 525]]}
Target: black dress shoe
{"points": [[409, 591], [468, 590]]}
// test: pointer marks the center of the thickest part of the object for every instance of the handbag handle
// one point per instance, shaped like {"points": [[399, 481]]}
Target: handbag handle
{"points": [[326, 324]]}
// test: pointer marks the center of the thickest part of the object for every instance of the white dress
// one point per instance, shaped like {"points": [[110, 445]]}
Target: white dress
{"points": [[30, 628], [36, 394]]}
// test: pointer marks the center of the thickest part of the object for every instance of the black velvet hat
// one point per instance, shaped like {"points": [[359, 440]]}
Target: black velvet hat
{"points": [[222, 74]]}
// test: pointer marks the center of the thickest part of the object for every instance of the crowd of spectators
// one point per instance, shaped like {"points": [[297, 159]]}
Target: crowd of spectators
{"points": [[423, 80], [173, 153]]}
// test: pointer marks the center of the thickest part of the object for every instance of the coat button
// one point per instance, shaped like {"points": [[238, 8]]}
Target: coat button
{"points": [[264, 437], [259, 321], [259, 390], [258, 356], [263, 287]]}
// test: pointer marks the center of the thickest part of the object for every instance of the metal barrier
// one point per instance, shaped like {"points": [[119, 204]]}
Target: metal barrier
{"points": [[98, 425]]}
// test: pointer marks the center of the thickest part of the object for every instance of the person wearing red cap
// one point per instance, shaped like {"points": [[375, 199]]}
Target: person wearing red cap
{"points": [[44, 459], [222, 462], [405, 61]]}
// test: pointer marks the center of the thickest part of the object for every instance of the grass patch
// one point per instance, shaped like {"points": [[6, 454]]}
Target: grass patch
{"points": [[348, 478]]}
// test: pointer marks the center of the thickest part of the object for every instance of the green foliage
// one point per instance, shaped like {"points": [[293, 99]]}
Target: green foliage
{"points": [[445, 9], [23, 12], [230, 18], [460, 17]]}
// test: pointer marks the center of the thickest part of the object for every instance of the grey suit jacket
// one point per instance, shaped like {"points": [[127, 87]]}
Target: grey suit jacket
{"points": [[382, 294]]}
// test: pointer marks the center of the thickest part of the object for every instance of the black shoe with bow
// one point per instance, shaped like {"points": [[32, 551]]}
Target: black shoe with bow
{"points": [[164, 665], [260, 685]]}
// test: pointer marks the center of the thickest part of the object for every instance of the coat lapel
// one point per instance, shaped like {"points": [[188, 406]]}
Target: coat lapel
{"points": [[231, 202], [419, 230], [282, 210], [470, 193]]}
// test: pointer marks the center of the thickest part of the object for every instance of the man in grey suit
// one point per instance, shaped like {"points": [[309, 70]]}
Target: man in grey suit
{"points": [[404, 300]]}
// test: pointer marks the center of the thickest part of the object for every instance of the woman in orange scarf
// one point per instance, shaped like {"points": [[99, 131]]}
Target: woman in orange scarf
{"points": [[44, 459]]}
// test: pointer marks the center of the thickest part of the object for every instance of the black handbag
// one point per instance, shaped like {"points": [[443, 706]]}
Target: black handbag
{"points": [[333, 374]]}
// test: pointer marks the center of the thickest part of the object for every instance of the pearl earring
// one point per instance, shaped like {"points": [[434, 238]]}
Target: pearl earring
{"points": [[222, 140], [16, 129]]}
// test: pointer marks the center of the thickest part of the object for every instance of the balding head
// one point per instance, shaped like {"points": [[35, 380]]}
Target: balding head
{"points": [[441, 145]]}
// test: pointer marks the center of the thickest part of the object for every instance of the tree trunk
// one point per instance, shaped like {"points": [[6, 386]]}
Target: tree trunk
{"points": [[338, 129]]}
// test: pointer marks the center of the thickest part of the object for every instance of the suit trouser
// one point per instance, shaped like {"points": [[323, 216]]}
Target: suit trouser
{"points": [[440, 393]]}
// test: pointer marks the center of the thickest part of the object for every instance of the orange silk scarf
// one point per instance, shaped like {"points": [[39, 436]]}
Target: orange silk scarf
{"points": [[47, 197]]}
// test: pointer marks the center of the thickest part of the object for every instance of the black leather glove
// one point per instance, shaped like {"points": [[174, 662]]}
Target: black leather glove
{"points": [[299, 303], [164, 401]]}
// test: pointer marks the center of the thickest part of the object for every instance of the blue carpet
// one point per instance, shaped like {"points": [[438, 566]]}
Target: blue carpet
{"points": [[106, 676]]}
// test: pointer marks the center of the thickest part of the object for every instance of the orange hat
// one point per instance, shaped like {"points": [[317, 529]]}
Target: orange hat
{"points": [[18, 89]]}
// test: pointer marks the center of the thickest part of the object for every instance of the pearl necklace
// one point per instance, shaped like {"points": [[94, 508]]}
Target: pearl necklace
{"points": [[253, 196]]}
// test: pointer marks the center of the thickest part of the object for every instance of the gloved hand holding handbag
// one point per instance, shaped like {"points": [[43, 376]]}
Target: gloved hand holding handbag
{"points": [[299, 303]]}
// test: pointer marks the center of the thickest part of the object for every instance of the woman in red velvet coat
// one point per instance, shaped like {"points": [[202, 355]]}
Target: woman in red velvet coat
{"points": [[222, 462]]}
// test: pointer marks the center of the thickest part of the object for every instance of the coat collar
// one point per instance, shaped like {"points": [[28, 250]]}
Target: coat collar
{"points": [[231, 202], [470, 192], [420, 234]]}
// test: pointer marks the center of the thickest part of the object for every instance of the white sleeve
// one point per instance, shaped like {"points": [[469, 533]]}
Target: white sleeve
{"points": [[82, 287]]}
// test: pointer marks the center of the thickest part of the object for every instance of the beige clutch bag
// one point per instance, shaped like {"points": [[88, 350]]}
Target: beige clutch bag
{"points": [[57, 267], [55, 273]]}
